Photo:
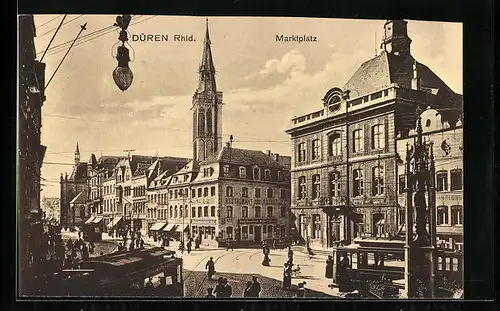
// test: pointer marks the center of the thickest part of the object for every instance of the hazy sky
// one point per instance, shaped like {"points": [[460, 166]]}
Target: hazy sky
{"points": [[264, 83]]}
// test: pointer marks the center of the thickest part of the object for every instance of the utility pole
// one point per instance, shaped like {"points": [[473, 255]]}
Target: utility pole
{"points": [[347, 223]]}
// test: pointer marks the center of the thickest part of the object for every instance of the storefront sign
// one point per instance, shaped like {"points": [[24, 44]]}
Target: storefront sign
{"points": [[204, 222], [257, 221]]}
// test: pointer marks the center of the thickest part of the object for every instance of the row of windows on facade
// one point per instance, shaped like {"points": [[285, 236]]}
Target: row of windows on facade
{"points": [[177, 212], [335, 143], [335, 184], [256, 173], [442, 184], [445, 215]]}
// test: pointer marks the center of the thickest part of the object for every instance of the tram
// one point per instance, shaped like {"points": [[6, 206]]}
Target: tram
{"points": [[152, 272]]}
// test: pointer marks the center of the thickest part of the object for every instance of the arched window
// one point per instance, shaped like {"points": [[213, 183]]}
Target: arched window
{"points": [[442, 215], [201, 150], [456, 215], [229, 191], [209, 121], [175, 212], [201, 121], [334, 144]]}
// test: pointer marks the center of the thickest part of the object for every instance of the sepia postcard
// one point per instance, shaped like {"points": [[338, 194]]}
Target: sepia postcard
{"points": [[239, 158]]}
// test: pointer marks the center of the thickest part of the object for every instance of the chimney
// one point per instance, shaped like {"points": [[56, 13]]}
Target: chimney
{"points": [[268, 153], [276, 157]]}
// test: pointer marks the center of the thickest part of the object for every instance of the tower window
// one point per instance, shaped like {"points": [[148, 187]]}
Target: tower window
{"points": [[201, 121], [209, 121]]}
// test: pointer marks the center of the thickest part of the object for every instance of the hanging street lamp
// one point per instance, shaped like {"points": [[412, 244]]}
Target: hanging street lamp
{"points": [[122, 75]]}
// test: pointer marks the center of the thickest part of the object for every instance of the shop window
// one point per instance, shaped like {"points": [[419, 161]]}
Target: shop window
{"points": [[244, 233], [229, 232]]}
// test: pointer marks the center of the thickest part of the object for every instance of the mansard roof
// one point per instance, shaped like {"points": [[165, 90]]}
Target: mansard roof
{"points": [[386, 68], [246, 157]]}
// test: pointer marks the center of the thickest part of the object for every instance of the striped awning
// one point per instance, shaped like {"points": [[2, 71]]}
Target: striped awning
{"points": [[181, 228], [97, 219], [114, 222], [168, 228], [90, 220], [157, 226]]}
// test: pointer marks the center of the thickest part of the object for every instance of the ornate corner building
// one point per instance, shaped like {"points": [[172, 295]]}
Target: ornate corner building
{"points": [[346, 158]]}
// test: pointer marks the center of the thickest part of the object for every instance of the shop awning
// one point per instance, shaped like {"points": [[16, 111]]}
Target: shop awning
{"points": [[168, 228], [157, 226], [114, 222], [90, 220], [97, 219], [380, 222], [181, 228]]}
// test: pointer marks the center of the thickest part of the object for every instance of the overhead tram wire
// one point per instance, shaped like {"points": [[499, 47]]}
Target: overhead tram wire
{"points": [[48, 21], [45, 33], [91, 36], [52, 39]]}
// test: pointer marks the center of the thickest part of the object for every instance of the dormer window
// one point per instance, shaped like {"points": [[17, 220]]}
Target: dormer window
{"points": [[226, 170], [256, 173], [243, 172], [280, 175], [267, 174], [186, 177]]}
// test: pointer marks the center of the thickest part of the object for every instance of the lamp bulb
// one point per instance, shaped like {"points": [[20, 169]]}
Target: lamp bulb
{"points": [[123, 77]]}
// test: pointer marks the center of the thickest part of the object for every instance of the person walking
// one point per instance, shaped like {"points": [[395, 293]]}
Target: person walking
{"points": [[329, 267], [211, 267], [266, 260], [248, 290], [85, 252], [227, 289], [189, 245], [209, 293], [219, 288], [229, 244], [255, 290], [287, 276]]}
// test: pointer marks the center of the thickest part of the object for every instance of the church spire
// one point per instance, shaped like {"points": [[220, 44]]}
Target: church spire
{"points": [[207, 69], [77, 155]]}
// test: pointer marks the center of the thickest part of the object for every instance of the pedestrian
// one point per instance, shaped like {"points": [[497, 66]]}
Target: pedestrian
{"points": [[248, 290], [266, 260], [329, 267], [209, 293], [344, 275], [287, 276], [211, 267], [229, 244], [219, 288], [69, 244], [85, 253], [189, 245], [131, 246], [91, 247], [255, 287], [301, 291], [227, 289], [181, 247], [120, 247], [141, 243]]}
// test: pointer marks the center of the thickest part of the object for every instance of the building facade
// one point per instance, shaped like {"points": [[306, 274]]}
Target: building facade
{"points": [[31, 96], [344, 163], [76, 184], [447, 140]]}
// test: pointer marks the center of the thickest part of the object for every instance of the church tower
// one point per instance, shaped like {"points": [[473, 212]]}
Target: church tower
{"points": [[77, 155], [207, 108], [396, 40]]}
